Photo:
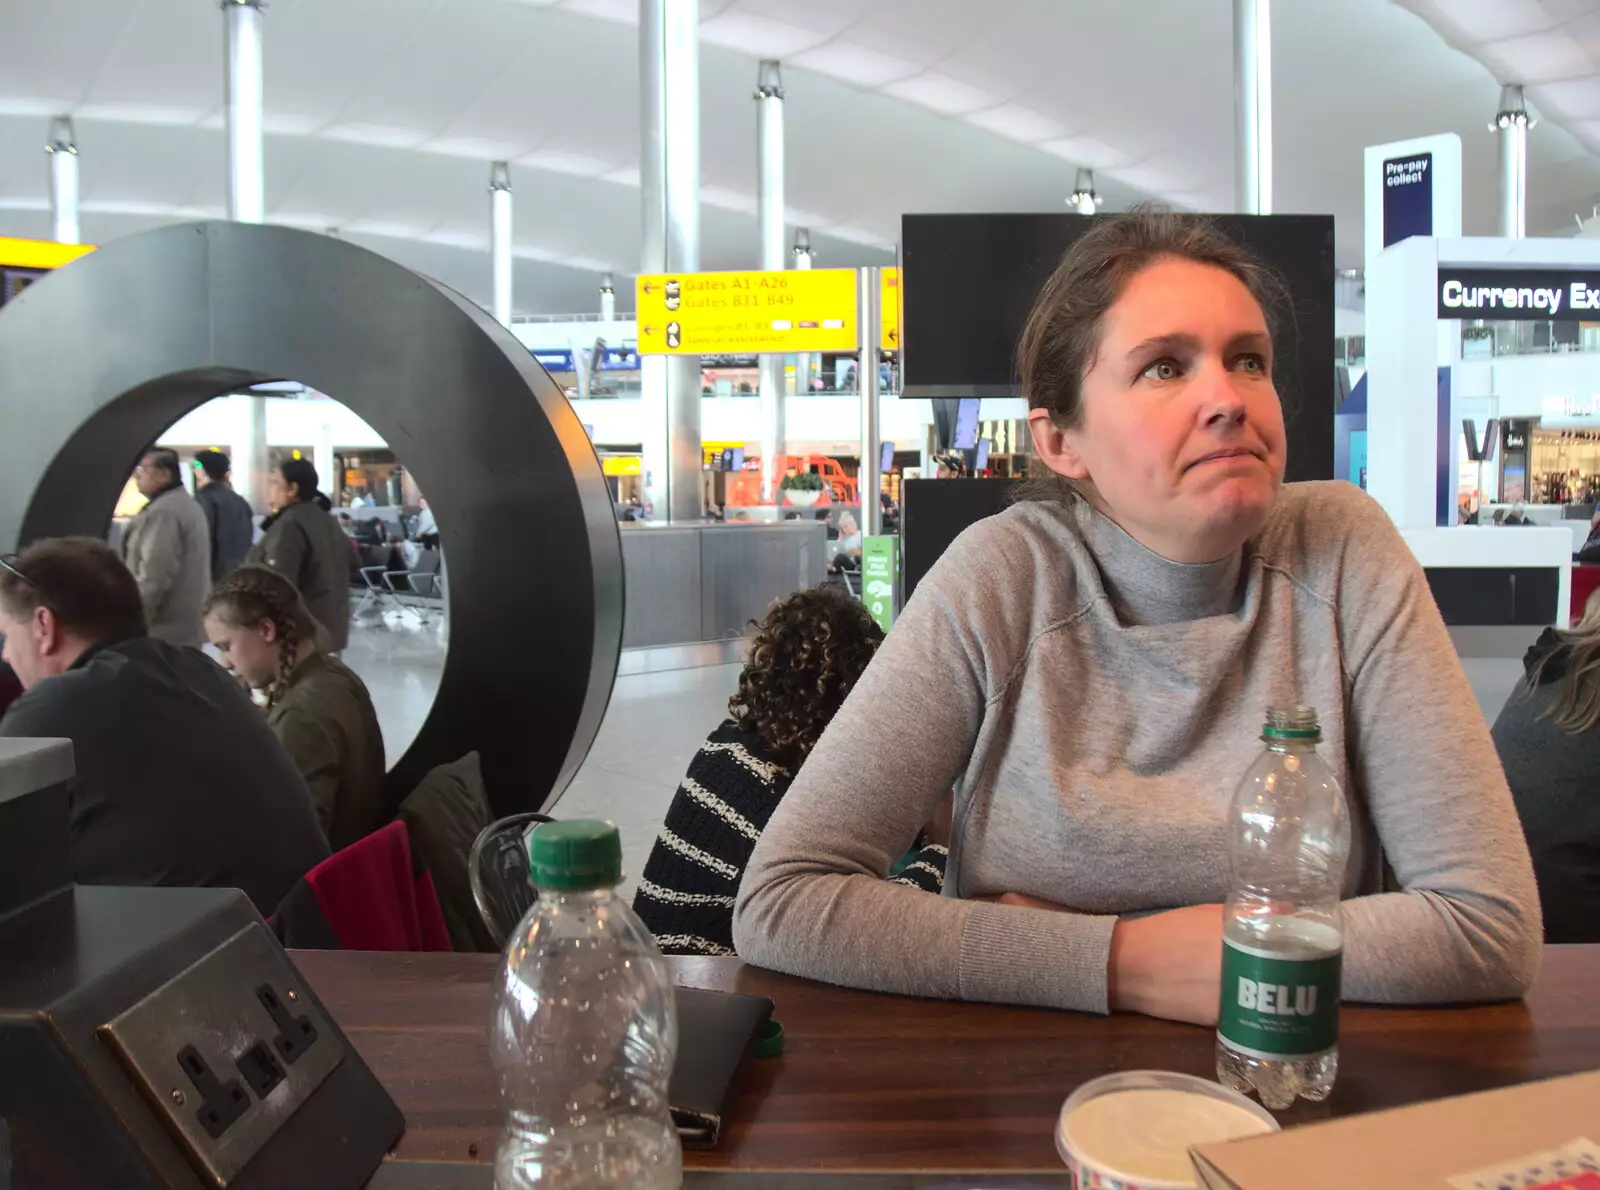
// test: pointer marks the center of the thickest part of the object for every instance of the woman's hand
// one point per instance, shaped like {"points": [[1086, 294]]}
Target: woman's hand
{"points": [[1168, 965], [939, 826]]}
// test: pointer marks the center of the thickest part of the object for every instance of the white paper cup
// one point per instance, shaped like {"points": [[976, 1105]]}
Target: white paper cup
{"points": [[1165, 1133]]}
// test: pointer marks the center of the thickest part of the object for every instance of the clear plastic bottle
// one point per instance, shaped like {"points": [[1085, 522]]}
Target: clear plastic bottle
{"points": [[1282, 932], [584, 1029]]}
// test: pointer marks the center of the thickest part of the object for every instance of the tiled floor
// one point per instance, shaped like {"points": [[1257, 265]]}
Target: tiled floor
{"points": [[1493, 679], [400, 662], [653, 727]]}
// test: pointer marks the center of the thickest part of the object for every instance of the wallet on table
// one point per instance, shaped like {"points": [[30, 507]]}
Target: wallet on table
{"points": [[716, 1030]]}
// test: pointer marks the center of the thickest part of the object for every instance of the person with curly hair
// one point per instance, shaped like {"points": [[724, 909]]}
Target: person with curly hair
{"points": [[805, 658], [316, 706]]}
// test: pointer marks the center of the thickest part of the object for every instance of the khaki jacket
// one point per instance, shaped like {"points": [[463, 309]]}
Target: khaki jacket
{"points": [[326, 722], [168, 548]]}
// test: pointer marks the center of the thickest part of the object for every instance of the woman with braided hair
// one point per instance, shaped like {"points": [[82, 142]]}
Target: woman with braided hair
{"points": [[316, 706]]}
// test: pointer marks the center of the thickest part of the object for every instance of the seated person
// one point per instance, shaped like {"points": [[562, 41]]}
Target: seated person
{"points": [[179, 782], [1088, 670], [1589, 552], [369, 531], [849, 535], [425, 527], [804, 659], [1548, 735], [316, 706]]}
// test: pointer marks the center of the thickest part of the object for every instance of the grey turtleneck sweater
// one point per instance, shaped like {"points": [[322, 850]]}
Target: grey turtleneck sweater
{"points": [[1093, 706]]}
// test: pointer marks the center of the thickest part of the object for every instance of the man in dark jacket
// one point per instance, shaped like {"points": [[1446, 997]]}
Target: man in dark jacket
{"points": [[305, 544], [180, 780], [233, 528]]}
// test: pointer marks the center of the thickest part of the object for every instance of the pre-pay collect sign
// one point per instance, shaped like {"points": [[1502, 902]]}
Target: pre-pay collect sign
{"points": [[747, 313]]}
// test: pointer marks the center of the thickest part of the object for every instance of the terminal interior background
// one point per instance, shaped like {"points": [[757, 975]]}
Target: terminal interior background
{"points": [[383, 122]]}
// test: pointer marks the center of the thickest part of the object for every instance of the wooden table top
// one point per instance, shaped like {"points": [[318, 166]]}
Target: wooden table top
{"points": [[871, 1082]]}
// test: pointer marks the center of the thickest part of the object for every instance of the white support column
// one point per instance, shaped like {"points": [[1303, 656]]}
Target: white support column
{"points": [[500, 239], [869, 479], [322, 458], [248, 413], [608, 299], [1511, 124], [244, 100], [769, 218], [243, 89], [63, 150], [802, 260], [669, 174], [1252, 104], [1403, 355]]}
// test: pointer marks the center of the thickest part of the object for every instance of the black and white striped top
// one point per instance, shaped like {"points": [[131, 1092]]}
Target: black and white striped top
{"points": [[722, 805]]}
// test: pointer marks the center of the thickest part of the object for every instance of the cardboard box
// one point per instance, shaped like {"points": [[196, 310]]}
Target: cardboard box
{"points": [[1420, 1147]]}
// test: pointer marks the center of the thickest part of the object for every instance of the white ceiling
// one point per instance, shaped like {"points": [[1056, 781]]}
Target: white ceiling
{"points": [[382, 115]]}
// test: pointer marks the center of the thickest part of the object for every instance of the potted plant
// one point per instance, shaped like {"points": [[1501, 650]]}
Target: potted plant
{"points": [[802, 490]]}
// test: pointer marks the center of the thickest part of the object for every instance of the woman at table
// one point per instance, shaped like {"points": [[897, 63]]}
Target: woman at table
{"points": [[1089, 671], [1548, 735]]}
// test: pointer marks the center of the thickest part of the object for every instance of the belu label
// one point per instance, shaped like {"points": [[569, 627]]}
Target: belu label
{"points": [[1275, 1007]]}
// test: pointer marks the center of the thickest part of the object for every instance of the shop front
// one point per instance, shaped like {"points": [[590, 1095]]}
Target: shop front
{"points": [[1482, 397]]}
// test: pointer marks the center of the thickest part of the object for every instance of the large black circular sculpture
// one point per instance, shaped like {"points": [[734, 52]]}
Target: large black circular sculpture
{"points": [[101, 357]]}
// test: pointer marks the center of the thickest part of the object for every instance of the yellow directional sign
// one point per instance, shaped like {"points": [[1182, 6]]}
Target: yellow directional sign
{"points": [[39, 254], [747, 313], [889, 307]]}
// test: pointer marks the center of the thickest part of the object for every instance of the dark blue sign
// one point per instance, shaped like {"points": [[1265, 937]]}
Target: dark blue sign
{"points": [[618, 359], [966, 437], [1407, 197], [555, 361]]}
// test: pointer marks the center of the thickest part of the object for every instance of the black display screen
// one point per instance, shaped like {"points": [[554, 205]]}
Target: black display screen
{"points": [[968, 282]]}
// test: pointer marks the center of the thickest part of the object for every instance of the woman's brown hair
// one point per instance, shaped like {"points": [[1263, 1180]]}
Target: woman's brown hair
{"points": [[806, 656], [1062, 334], [1576, 706], [255, 593]]}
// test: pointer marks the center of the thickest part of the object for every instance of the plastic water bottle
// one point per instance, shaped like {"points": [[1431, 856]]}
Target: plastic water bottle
{"points": [[584, 1029], [1282, 933]]}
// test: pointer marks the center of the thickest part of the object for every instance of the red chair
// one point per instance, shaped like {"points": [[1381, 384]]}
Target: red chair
{"points": [[1585, 582], [370, 896]]}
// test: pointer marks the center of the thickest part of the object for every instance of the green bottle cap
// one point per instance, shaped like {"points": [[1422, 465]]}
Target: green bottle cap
{"points": [[577, 855], [1297, 722]]}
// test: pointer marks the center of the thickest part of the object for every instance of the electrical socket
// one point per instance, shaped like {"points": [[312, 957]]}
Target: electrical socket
{"points": [[296, 1034], [221, 1103], [235, 1018]]}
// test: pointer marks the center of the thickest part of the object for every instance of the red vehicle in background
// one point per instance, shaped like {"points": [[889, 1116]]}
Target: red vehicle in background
{"points": [[744, 487]]}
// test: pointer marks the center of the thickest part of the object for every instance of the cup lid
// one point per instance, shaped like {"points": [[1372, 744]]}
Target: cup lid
{"points": [[1074, 1152]]}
